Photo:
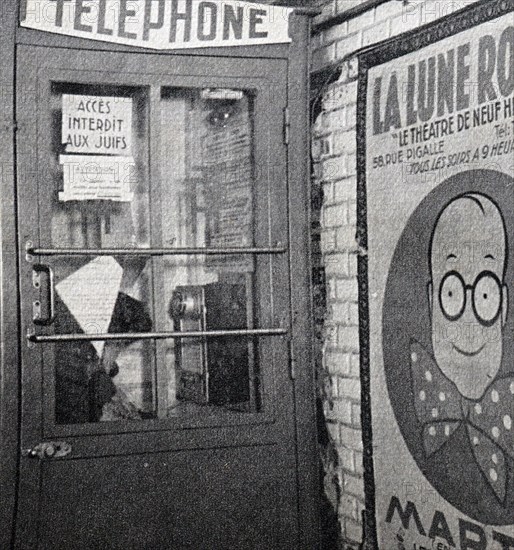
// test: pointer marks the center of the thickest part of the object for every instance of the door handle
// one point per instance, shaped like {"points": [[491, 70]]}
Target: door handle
{"points": [[46, 318], [48, 449]]}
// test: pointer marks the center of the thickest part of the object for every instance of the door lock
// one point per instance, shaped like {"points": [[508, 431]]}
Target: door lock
{"points": [[46, 318], [48, 449]]}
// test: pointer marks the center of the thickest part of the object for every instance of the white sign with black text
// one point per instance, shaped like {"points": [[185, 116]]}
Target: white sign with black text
{"points": [[161, 24]]}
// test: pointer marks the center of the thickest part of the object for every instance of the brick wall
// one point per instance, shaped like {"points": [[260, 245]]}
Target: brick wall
{"points": [[334, 180]]}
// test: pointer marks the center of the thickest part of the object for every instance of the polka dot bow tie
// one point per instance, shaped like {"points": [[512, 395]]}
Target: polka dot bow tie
{"points": [[441, 409]]}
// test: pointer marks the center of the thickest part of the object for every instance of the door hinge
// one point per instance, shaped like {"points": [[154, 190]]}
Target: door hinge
{"points": [[48, 449], [287, 126], [292, 359]]}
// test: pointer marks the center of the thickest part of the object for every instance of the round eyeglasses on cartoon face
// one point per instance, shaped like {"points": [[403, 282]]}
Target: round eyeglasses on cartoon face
{"points": [[486, 294]]}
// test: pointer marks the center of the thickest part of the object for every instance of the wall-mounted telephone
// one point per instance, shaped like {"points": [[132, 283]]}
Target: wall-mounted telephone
{"points": [[212, 370]]}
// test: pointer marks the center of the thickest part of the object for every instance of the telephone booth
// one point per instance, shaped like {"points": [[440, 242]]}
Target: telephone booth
{"points": [[156, 383]]}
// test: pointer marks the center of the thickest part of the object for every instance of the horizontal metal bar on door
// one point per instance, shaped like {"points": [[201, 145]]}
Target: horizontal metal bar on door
{"points": [[153, 251], [52, 338]]}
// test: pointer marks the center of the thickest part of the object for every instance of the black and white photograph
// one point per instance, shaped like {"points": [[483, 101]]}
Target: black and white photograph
{"points": [[257, 275]]}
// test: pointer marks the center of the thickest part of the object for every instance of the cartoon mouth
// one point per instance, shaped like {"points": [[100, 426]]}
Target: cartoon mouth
{"points": [[468, 353]]}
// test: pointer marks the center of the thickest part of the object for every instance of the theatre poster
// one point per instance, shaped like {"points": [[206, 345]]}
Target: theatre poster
{"points": [[436, 282]]}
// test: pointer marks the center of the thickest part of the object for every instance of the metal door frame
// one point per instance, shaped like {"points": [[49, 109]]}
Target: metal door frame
{"points": [[299, 222]]}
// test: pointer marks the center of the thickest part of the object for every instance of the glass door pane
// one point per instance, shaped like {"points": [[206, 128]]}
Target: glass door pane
{"points": [[207, 201], [101, 199], [105, 196]]}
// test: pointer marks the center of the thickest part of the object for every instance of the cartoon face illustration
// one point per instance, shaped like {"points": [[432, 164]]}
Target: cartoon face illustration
{"points": [[447, 341], [467, 295]]}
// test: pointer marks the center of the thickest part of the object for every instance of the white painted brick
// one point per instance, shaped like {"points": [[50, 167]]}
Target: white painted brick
{"points": [[350, 388], [328, 193], [332, 99], [334, 389], [351, 137], [345, 238], [333, 430], [376, 33], [335, 33], [328, 241], [337, 363], [331, 289], [359, 467], [335, 215], [351, 164], [353, 314], [388, 9], [349, 356], [348, 338], [344, 141], [356, 414], [334, 168], [353, 265], [339, 313], [431, 10], [352, 212], [351, 438], [345, 190], [339, 95], [348, 45], [404, 22], [330, 335], [351, 90], [347, 289], [353, 484], [336, 265], [348, 506], [342, 412], [353, 530], [345, 5], [355, 367], [336, 119], [340, 139], [318, 126], [346, 458], [361, 21]]}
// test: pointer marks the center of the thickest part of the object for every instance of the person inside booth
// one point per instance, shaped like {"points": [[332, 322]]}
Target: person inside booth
{"points": [[86, 388]]}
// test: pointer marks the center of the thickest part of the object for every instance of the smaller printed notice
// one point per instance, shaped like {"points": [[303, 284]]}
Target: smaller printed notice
{"points": [[90, 293], [97, 125], [88, 177]]}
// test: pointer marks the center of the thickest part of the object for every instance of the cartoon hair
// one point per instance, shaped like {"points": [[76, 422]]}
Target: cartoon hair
{"points": [[478, 198]]}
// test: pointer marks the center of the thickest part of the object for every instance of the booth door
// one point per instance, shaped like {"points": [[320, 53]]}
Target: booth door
{"points": [[157, 406]]}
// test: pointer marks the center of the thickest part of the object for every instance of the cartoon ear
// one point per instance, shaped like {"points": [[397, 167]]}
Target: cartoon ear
{"points": [[430, 289], [505, 304]]}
